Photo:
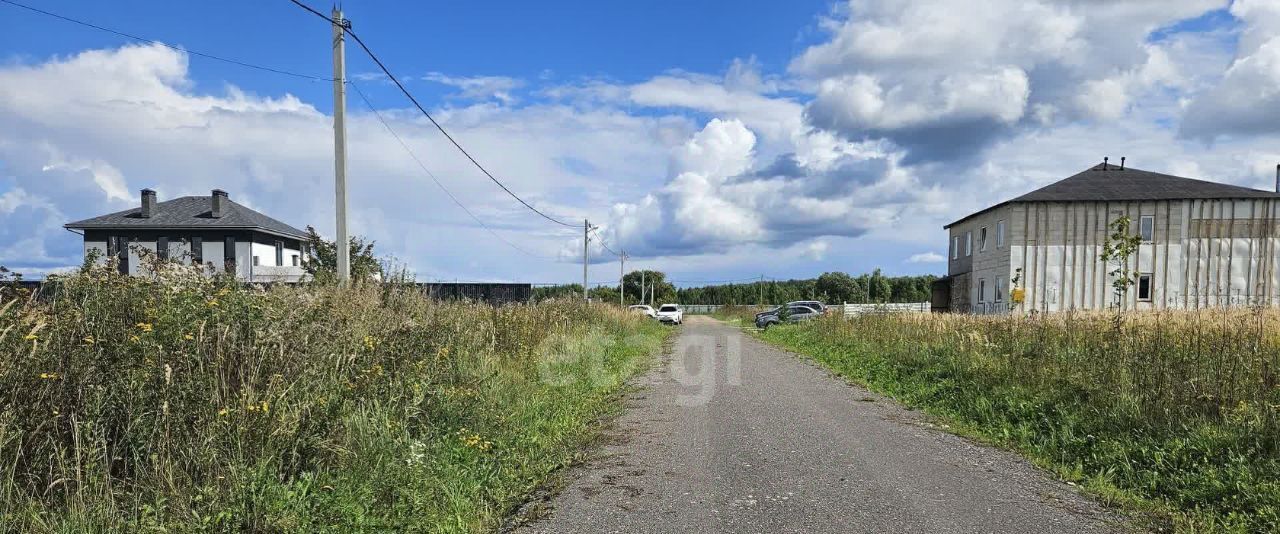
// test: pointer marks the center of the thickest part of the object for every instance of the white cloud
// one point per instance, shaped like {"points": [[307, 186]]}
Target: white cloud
{"points": [[500, 88], [927, 257]]}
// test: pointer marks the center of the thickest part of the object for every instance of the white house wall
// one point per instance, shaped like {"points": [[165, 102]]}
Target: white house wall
{"points": [[1202, 253]]}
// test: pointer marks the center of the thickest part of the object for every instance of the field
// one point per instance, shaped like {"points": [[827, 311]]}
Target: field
{"points": [[190, 405], [1172, 415]]}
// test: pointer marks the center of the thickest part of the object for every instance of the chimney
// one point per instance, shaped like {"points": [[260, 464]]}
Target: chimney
{"points": [[148, 204], [1122, 163], [1104, 162], [1278, 177], [219, 203]]}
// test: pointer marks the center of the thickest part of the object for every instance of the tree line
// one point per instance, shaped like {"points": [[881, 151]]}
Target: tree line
{"points": [[831, 288]]}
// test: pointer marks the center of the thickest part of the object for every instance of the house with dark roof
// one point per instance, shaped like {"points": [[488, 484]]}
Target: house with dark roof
{"points": [[1203, 244], [211, 231]]}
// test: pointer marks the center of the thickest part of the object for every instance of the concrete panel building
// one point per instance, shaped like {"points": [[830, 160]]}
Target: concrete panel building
{"points": [[1204, 244], [211, 231]]}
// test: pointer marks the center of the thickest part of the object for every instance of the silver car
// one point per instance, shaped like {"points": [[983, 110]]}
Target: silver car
{"points": [[796, 313]]}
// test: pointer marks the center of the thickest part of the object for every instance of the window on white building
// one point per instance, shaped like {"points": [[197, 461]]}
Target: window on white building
{"points": [[1147, 227], [982, 290], [1144, 287], [982, 239], [999, 296], [999, 233], [968, 243], [955, 247]]}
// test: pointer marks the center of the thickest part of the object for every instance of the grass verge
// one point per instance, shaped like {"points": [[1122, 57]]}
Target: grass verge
{"points": [[190, 405], [1173, 414]]}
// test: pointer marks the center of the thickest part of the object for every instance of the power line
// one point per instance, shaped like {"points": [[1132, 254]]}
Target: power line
{"points": [[602, 243], [432, 175], [347, 28], [177, 48]]}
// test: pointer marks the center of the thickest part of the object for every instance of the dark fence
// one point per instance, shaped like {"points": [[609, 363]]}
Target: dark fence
{"points": [[495, 294]]}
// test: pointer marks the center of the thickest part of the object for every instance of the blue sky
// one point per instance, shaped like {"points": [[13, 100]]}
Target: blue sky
{"points": [[712, 140]]}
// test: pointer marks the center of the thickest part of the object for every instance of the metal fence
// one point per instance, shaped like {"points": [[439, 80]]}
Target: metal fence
{"points": [[853, 310]]}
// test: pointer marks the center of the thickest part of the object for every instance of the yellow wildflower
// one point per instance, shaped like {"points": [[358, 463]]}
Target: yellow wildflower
{"points": [[145, 327], [135, 338], [49, 376], [31, 337], [266, 408], [212, 303], [188, 337], [223, 412], [88, 340]]}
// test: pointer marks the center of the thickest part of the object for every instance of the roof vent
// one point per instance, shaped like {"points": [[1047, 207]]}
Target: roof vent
{"points": [[148, 204], [220, 201], [1104, 162], [1122, 163]]}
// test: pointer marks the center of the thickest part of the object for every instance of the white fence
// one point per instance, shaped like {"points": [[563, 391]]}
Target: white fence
{"points": [[851, 310]]}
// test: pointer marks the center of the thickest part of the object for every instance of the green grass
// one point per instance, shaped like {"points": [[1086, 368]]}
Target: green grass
{"points": [[189, 405], [1172, 415]]}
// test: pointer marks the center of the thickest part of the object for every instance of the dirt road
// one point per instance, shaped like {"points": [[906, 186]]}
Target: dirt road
{"points": [[731, 435]]}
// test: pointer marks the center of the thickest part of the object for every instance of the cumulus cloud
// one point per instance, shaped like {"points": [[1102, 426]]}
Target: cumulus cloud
{"points": [[945, 83], [1246, 102]]}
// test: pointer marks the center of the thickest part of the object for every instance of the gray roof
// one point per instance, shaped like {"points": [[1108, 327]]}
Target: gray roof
{"points": [[1113, 184], [191, 213]]}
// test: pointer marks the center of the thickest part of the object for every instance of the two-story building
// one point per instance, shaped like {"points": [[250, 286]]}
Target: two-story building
{"points": [[1203, 244], [211, 231]]}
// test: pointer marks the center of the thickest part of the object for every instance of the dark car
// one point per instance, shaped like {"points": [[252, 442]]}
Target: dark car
{"points": [[795, 314]]}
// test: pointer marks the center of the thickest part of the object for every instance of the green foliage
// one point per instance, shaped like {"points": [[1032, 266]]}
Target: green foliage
{"points": [[833, 287], [181, 403], [1117, 249], [1176, 413], [323, 263]]}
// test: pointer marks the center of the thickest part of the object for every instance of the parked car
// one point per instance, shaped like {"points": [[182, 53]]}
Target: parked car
{"points": [[670, 313], [815, 305], [643, 308], [795, 314]]}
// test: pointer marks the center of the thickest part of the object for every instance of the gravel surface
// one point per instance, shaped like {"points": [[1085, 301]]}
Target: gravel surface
{"points": [[732, 435]]}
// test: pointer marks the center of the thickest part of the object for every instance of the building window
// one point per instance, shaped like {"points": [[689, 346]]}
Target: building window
{"points": [[968, 243], [999, 233], [229, 253], [955, 247], [1144, 287], [999, 295], [1147, 227], [197, 250], [279, 253], [295, 260], [982, 239], [255, 260], [982, 290], [162, 247]]}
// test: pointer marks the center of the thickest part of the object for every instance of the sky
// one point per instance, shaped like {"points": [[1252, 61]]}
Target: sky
{"points": [[711, 140]]}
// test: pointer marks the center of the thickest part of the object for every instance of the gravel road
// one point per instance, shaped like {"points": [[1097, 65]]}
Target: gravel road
{"points": [[732, 435]]}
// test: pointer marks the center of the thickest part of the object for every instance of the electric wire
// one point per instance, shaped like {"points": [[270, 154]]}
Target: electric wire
{"points": [[346, 27], [158, 43], [432, 175]]}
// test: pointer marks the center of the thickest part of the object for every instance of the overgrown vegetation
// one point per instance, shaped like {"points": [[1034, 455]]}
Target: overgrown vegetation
{"points": [[1174, 413], [184, 404], [832, 287]]}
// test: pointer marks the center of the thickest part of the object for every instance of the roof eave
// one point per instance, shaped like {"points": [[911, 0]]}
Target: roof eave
{"points": [[80, 226]]}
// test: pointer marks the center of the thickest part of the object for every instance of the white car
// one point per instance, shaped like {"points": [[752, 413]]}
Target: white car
{"points": [[670, 313], [643, 308]]}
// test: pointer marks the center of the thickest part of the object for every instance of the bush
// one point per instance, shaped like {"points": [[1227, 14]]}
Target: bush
{"points": [[1175, 411], [184, 403]]}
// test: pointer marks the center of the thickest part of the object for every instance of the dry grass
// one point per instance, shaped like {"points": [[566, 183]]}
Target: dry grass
{"points": [[185, 404]]}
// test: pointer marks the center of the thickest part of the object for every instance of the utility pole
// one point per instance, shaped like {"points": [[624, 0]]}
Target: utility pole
{"points": [[586, 227], [642, 286], [622, 272], [341, 245], [762, 290]]}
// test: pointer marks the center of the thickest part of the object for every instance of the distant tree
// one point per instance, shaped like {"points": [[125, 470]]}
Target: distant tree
{"points": [[323, 263], [837, 287], [881, 288], [655, 281]]}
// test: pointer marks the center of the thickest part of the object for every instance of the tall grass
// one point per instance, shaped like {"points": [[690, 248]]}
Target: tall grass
{"points": [[187, 404], [1172, 412]]}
